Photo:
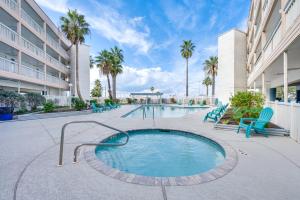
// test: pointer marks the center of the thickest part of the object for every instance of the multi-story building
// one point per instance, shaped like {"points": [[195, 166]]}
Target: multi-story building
{"points": [[273, 58], [34, 55]]}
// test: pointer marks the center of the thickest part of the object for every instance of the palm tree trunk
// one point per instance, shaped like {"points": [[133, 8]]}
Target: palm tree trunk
{"points": [[213, 85], [109, 87], [114, 86], [207, 90], [187, 79], [77, 75]]}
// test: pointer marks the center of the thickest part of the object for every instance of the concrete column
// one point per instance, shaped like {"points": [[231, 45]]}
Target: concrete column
{"points": [[254, 85], [285, 76], [263, 84], [19, 60], [19, 87]]}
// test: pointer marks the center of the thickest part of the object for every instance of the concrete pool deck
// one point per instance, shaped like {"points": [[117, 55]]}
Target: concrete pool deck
{"points": [[267, 168]]}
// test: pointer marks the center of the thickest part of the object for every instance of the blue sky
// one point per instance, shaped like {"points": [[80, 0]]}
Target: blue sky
{"points": [[150, 33]]}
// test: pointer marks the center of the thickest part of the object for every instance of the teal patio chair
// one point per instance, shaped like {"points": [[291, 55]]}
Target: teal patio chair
{"points": [[96, 109], [256, 124]]}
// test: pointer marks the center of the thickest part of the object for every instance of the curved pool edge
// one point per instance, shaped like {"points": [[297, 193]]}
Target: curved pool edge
{"points": [[223, 169]]}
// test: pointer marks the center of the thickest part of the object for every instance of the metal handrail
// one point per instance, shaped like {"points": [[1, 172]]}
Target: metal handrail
{"points": [[61, 149]]}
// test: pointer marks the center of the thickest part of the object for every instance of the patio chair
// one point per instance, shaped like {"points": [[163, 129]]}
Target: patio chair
{"points": [[256, 124], [190, 102], [214, 114], [96, 109]]}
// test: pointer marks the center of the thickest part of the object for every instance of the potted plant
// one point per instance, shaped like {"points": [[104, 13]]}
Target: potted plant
{"points": [[8, 101]]}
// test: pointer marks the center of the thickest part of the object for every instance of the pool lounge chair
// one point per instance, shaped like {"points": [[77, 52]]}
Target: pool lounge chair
{"points": [[96, 109], [256, 124], [216, 113]]}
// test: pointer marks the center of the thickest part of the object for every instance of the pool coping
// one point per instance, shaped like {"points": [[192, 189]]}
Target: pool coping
{"points": [[228, 164]]}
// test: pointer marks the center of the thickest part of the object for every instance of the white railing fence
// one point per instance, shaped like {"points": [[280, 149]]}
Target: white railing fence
{"points": [[292, 11], [8, 65], [287, 115], [12, 4], [32, 22], [8, 34], [59, 100], [30, 72]]}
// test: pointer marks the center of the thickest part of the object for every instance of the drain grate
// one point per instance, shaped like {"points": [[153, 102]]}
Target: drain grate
{"points": [[242, 152]]}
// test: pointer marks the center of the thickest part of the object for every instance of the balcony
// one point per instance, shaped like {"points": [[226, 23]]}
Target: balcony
{"points": [[8, 35], [273, 42], [56, 63], [55, 45], [292, 10], [32, 48], [32, 23], [11, 5], [29, 72]]}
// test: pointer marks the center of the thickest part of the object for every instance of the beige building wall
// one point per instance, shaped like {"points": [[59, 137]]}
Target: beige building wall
{"points": [[232, 64]]}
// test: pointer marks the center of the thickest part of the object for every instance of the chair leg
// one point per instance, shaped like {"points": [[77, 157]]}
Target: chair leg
{"points": [[238, 130], [248, 131], [205, 118]]}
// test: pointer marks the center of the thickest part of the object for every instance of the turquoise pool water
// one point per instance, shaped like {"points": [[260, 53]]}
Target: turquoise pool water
{"points": [[162, 153], [162, 111]]}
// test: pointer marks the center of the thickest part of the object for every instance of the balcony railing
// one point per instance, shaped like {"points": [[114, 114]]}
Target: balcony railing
{"points": [[8, 34], [52, 42], [292, 10], [11, 4], [53, 79], [30, 72], [273, 41], [8, 65], [32, 22], [54, 61], [34, 49]]}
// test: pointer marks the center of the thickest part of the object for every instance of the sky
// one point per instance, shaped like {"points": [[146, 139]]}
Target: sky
{"points": [[150, 33]]}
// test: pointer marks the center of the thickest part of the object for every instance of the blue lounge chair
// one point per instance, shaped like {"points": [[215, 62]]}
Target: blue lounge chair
{"points": [[216, 113], [96, 109], [190, 102], [257, 124]]}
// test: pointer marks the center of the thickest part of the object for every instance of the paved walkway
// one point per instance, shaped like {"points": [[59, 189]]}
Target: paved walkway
{"points": [[268, 168]]}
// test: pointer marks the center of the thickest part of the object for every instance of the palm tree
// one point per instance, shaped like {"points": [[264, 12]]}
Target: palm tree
{"points": [[187, 49], [152, 89], [207, 82], [211, 68], [75, 28], [116, 67], [104, 63]]}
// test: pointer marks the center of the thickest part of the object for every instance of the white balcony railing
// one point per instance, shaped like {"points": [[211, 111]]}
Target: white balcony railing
{"points": [[8, 65], [53, 79], [52, 42], [34, 49], [8, 34], [292, 11], [55, 62], [273, 41], [11, 4], [30, 72], [32, 22]]}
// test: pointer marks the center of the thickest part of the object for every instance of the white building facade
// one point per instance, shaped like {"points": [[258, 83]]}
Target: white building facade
{"points": [[273, 58], [34, 55]]}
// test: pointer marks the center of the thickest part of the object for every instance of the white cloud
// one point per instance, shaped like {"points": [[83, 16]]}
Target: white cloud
{"points": [[55, 5], [212, 21], [109, 23]]}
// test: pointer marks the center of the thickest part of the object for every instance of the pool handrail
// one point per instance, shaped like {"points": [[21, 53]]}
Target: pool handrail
{"points": [[62, 136]]}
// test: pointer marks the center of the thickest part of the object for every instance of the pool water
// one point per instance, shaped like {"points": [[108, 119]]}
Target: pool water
{"points": [[162, 153], [162, 111]]}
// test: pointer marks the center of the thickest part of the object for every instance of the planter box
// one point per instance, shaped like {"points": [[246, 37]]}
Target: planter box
{"points": [[6, 113]]}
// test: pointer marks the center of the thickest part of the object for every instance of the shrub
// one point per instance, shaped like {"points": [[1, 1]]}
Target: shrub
{"points": [[93, 101], [129, 100], [49, 106], [204, 102], [34, 100], [78, 104], [10, 99], [107, 101], [173, 100], [247, 104]]}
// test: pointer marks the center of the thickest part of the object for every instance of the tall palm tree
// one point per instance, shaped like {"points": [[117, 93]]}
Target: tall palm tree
{"points": [[104, 63], [207, 82], [211, 68], [75, 27], [152, 89], [116, 67], [187, 49]]}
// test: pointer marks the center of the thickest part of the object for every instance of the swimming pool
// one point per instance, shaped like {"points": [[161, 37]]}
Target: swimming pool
{"points": [[162, 153], [162, 111]]}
